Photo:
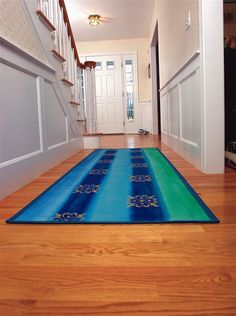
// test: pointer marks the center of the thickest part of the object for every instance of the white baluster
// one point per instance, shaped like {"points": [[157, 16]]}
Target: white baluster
{"points": [[54, 33], [71, 65], [94, 100], [81, 88], [62, 34], [68, 57], [71, 69], [82, 94], [46, 9], [65, 43], [73, 75], [65, 35], [60, 30], [40, 4], [86, 99], [76, 83], [51, 12], [72, 80], [70, 60]]}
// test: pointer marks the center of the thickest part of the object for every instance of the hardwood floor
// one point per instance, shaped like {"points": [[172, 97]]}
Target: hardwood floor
{"points": [[166, 270]]}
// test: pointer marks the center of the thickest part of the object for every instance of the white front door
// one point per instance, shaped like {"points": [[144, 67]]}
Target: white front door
{"points": [[109, 94]]}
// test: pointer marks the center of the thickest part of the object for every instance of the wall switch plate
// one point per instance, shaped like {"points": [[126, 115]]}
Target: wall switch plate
{"points": [[188, 21]]}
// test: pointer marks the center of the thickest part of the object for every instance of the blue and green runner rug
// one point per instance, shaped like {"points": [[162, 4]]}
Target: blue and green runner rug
{"points": [[119, 186]]}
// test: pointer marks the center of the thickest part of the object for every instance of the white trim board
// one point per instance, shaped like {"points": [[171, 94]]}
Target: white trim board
{"points": [[21, 51], [212, 85]]}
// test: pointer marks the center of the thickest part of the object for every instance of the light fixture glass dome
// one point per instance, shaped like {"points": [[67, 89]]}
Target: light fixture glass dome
{"points": [[94, 19]]}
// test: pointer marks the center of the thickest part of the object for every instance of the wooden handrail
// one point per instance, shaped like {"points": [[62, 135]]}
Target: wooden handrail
{"points": [[70, 33], [90, 64]]}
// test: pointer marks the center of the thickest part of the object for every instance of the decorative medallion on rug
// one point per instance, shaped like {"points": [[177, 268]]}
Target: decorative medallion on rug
{"points": [[119, 186]]}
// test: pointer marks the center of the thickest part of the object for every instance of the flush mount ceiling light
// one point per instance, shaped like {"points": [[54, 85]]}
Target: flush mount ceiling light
{"points": [[94, 19]]}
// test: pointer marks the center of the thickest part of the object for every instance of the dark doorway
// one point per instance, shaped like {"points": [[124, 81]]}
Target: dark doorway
{"points": [[230, 80], [158, 90]]}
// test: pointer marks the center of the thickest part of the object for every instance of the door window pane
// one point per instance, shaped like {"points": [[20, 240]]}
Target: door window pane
{"points": [[128, 66], [129, 89], [129, 77], [130, 102], [110, 65], [98, 65]]}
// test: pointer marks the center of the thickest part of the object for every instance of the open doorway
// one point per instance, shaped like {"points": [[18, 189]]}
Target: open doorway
{"points": [[155, 77], [158, 89], [230, 79]]}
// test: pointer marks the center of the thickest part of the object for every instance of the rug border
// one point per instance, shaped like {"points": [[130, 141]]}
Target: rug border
{"points": [[211, 215]]}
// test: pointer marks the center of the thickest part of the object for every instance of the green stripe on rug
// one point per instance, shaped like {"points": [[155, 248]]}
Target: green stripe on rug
{"points": [[178, 200]]}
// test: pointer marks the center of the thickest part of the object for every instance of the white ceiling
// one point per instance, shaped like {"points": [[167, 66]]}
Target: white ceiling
{"points": [[121, 19]]}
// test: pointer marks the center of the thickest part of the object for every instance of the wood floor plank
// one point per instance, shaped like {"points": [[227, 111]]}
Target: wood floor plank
{"points": [[155, 269]]}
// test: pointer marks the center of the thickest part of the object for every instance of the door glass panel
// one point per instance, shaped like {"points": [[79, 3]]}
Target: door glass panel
{"points": [[110, 65], [129, 89], [98, 65], [128, 66], [130, 102], [82, 93], [129, 77]]}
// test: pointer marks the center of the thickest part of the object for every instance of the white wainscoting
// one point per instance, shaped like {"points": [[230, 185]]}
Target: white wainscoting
{"points": [[37, 126], [181, 113]]}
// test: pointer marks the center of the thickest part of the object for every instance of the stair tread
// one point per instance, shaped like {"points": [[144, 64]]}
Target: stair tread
{"points": [[74, 102], [58, 55], [66, 81], [45, 20]]}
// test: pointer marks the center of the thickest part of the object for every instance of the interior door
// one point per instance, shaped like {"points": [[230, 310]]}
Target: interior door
{"points": [[109, 94]]}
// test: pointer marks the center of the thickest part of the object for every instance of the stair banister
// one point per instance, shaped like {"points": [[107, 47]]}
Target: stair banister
{"points": [[54, 14]]}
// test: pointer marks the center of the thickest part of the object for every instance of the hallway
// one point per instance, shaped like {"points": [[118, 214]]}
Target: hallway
{"points": [[168, 269]]}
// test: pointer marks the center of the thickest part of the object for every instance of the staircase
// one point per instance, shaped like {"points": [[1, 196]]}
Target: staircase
{"points": [[54, 15], [43, 115]]}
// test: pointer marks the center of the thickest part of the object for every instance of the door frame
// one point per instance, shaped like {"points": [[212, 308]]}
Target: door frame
{"points": [[155, 105], [129, 127]]}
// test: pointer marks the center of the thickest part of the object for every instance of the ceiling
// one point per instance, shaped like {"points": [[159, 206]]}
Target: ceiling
{"points": [[120, 19]]}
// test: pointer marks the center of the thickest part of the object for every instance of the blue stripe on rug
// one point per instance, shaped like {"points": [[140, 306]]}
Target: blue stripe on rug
{"points": [[46, 205], [144, 198], [107, 206], [78, 205]]}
